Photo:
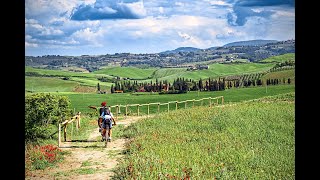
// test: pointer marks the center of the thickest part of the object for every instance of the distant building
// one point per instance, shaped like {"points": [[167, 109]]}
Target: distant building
{"points": [[202, 67]]}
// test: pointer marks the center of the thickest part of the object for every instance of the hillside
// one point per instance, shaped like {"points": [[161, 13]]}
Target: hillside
{"points": [[180, 57], [280, 58], [181, 49], [250, 139], [49, 80], [250, 43]]}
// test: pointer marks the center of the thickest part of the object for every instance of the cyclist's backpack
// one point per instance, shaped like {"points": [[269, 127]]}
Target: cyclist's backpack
{"points": [[105, 111]]}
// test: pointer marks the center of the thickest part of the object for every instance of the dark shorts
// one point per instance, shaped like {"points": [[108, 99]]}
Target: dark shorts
{"points": [[107, 122]]}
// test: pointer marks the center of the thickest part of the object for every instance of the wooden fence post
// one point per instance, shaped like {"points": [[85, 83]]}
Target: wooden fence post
{"points": [[138, 108], [193, 103], [209, 101], [168, 107], [217, 101], [77, 124], [59, 135], [79, 119], [71, 129], [117, 110], [148, 109], [201, 102], [222, 102], [185, 104], [126, 110], [158, 107], [65, 132], [176, 105]]}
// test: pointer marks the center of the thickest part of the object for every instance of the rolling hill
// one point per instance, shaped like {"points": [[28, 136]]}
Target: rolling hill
{"points": [[250, 43]]}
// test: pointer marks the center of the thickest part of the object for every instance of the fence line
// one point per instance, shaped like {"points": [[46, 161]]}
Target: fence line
{"points": [[158, 104], [77, 117], [64, 125]]}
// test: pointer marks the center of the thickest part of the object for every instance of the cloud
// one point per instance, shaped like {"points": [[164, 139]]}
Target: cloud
{"points": [[89, 36], [78, 27], [241, 15], [30, 45], [34, 28], [109, 10], [243, 9], [250, 3], [42, 10], [218, 3]]}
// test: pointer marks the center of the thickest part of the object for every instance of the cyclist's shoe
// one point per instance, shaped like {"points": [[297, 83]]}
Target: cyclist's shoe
{"points": [[99, 129], [103, 139], [109, 139]]}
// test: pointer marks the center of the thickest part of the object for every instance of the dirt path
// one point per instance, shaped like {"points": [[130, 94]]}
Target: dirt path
{"points": [[87, 160]]}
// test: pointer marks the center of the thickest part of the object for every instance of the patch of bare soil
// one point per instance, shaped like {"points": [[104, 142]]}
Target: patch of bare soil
{"points": [[89, 160], [84, 89]]}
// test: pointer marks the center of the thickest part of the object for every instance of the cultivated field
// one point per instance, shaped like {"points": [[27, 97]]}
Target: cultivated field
{"points": [[215, 70]]}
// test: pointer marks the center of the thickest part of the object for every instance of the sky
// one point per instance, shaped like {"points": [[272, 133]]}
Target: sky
{"points": [[99, 27]]}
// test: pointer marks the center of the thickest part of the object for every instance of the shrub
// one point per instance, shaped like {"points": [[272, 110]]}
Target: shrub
{"points": [[41, 112]]}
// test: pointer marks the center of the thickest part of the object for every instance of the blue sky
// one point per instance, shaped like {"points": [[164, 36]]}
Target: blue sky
{"points": [[96, 27]]}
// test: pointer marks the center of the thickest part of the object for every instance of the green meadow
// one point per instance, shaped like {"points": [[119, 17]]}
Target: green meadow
{"points": [[141, 75], [128, 72], [215, 71], [284, 74], [248, 140], [81, 101], [48, 84], [280, 58]]}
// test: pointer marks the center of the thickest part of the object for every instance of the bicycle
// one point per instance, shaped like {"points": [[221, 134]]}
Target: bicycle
{"points": [[104, 131]]}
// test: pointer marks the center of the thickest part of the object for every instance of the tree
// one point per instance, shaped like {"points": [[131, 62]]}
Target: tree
{"points": [[98, 87], [200, 85], [189, 85], [112, 89]]}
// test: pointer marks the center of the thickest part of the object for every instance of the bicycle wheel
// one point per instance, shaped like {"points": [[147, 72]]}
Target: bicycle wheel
{"points": [[106, 136]]}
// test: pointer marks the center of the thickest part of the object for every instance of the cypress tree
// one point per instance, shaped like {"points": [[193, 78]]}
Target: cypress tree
{"points": [[98, 87]]}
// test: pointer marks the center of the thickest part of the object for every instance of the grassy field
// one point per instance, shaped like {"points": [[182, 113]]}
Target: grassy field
{"points": [[248, 140], [151, 74], [48, 84], [60, 73], [81, 101], [280, 75], [215, 71], [165, 72], [280, 58], [129, 72], [55, 83]]}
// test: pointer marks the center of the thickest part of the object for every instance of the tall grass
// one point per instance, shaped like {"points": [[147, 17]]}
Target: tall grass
{"points": [[249, 140]]}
